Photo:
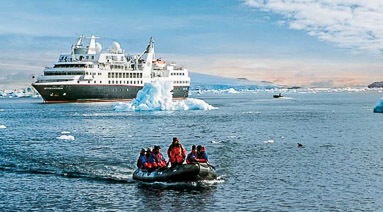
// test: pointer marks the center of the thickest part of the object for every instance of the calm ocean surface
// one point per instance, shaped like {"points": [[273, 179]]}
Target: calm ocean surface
{"points": [[251, 139]]}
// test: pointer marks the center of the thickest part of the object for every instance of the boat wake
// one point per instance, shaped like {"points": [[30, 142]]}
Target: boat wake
{"points": [[157, 96], [107, 178]]}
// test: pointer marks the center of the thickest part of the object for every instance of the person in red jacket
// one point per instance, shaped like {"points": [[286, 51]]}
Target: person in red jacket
{"points": [[176, 153], [192, 156], [202, 156], [157, 160]]}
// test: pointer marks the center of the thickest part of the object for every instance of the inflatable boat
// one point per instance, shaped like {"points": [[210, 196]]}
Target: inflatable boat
{"points": [[181, 173]]}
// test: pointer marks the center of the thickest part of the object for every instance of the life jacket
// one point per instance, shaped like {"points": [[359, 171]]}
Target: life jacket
{"points": [[157, 160], [177, 155], [202, 157]]}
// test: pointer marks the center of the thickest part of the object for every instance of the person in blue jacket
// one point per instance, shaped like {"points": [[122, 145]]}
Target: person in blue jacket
{"points": [[192, 156], [142, 162]]}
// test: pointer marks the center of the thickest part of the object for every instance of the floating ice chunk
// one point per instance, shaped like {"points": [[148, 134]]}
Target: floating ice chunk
{"points": [[379, 107], [157, 96], [269, 142], [65, 132], [2, 126], [232, 90], [66, 137]]}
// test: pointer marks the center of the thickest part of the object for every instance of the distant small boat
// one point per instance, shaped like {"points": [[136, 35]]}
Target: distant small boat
{"points": [[277, 95], [182, 173]]}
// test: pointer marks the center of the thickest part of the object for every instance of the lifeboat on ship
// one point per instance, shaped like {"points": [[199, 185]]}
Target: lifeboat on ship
{"points": [[181, 173], [159, 63]]}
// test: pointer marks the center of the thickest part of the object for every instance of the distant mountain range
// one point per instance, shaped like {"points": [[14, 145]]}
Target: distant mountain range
{"points": [[206, 82]]}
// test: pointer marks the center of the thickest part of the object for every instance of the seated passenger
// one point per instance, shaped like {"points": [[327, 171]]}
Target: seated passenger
{"points": [[148, 165], [202, 156], [192, 156], [156, 159], [141, 159]]}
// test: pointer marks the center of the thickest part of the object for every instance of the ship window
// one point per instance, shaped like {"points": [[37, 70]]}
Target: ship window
{"points": [[120, 75], [94, 82], [100, 82], [109, 82], [92, 57], [87, 57]]}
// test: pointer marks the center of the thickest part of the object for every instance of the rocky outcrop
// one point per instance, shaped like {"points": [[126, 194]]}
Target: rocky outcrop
{"points": [[376, 85]]}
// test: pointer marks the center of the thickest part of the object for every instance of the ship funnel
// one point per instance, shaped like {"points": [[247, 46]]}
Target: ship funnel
{"points": [[92, 45]]}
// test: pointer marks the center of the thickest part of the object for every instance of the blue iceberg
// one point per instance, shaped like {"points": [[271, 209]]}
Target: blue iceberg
{"points": [[157, 96], [379, 107]]}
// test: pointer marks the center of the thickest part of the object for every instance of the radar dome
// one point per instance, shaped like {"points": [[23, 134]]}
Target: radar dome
{"points": [[115, 47], [98, 47]]}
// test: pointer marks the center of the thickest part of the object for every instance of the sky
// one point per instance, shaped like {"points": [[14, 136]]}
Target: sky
{"points": [[327, 43]]}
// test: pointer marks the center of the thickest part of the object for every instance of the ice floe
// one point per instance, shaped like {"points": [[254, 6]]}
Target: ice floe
{"points": [[379, 107], [65, 136]]}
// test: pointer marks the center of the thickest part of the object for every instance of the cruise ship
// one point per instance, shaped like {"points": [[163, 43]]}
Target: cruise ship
{"points": [[88, 73]]}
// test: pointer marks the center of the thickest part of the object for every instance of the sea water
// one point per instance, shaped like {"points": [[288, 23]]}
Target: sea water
{"points": [[80, 157]]}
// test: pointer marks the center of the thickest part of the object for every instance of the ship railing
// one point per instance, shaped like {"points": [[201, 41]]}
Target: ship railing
{"points": [[57, 77]]}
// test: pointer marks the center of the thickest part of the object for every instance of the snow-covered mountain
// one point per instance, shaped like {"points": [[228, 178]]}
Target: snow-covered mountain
{"points": [[209, 82]]}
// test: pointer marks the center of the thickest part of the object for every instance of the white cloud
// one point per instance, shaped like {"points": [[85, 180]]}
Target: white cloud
{"points": [[347, 23]]}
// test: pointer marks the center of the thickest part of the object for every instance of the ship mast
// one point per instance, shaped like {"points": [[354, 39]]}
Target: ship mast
{"points": [[147, 69]]}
